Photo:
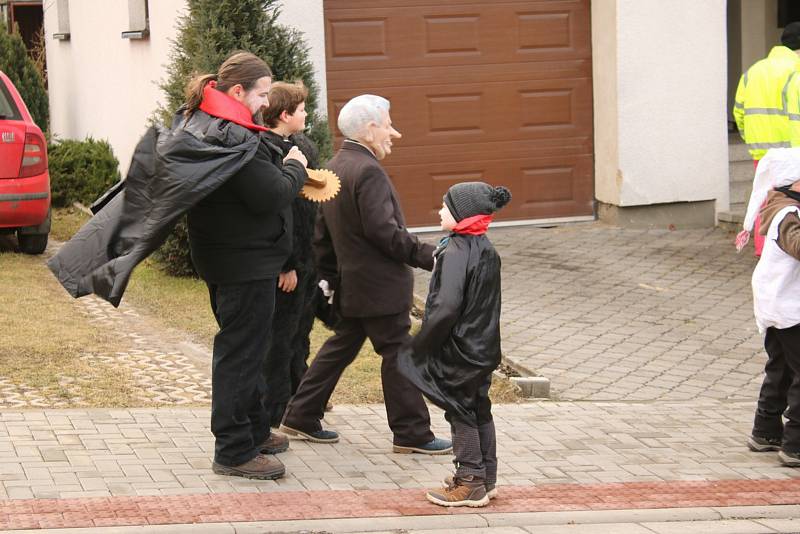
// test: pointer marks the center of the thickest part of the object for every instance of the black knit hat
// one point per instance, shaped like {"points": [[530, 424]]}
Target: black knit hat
{"points": [[468, 199], [791, 36]]}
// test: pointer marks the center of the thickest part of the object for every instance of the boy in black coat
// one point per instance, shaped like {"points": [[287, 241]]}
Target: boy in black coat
{"points": [[295, 298], [452, 358]]}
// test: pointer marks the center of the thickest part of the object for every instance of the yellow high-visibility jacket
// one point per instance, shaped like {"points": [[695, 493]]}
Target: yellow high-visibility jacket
{"points": [[761, 101]]}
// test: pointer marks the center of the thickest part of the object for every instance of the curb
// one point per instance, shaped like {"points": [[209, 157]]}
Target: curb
{"points": [[451, 522]]}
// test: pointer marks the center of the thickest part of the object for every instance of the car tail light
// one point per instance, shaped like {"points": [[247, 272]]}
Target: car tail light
{"points": [[34, 156]]}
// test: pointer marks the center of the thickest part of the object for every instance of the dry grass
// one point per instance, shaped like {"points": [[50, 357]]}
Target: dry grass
{"points": [[45, 341], [65, 222]]}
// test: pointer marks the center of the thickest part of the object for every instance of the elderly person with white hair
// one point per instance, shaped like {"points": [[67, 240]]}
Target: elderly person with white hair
{"points": [[364, 252]]}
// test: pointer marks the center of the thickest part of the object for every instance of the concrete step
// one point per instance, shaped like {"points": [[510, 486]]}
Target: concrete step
{"points": [[741, 171], [737, 149], [732, 219], [740, 191]]}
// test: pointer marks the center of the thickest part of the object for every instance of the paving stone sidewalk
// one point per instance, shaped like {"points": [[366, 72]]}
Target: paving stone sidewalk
{"points": [[612, 314]]}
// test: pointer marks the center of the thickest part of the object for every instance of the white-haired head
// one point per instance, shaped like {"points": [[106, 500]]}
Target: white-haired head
{"points": [[359, 112]]}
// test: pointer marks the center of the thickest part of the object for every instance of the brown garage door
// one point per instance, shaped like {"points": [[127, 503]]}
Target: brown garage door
{"points": [[498, 91]]}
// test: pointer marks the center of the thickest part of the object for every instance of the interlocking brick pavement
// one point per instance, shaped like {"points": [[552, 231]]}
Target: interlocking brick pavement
{"points": [[616, 314], [292, 505], [104, 453]]}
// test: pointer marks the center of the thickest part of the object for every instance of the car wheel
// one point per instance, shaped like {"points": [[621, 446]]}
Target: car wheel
{"points": [[32, 243]]}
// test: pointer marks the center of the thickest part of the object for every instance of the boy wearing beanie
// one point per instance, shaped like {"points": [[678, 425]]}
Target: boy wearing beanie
{"points": [[776, 282], [452, 358]]}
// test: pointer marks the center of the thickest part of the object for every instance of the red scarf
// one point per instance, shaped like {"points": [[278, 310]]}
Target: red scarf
{"points": [[218, 104], [475, 225]]}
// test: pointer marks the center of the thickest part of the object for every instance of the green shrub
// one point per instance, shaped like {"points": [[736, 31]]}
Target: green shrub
{"points": [[23, 73], [81, 170]]}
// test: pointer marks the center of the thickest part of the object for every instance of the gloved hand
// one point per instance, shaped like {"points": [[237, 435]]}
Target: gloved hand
{"points": [[326, 290]]}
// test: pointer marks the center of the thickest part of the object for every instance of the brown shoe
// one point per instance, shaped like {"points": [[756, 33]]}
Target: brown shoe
{"points": [[274, 444], [261, 467], [467, 491], [491, 489], [328, 407]]}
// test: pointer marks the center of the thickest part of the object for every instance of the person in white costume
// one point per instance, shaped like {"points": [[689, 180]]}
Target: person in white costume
{"points": [[776, 302]]}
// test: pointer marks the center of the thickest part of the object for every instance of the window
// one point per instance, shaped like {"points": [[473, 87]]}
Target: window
{"points": [[62, 8], [8, 110], [138, 20]]}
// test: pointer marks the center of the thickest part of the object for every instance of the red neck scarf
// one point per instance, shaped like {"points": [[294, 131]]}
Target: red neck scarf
{"points": [[475, 225], [218, 104]]}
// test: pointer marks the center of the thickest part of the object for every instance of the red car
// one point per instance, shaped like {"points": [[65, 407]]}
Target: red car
{"points": [[24, 178]]}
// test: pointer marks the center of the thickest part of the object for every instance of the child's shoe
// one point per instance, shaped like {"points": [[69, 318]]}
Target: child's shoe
{"points": [[467, 491], [491, 489]]}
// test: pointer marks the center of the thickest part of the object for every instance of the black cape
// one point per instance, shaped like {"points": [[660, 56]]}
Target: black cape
{"points": [[458, 345], [171, 170]]}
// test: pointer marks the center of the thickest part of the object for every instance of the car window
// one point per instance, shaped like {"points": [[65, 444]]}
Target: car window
{"points": [[8, 110]]}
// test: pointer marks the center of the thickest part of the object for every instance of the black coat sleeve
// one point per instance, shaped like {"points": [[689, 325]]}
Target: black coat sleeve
{"points": [[380, 226], [443, 308], [264, 187]]}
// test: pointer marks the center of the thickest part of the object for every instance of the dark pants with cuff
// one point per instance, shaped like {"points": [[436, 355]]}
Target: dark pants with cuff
{"points": [[405, 408], [239, 418], [780, 391], [474, 441], [289, 345]]}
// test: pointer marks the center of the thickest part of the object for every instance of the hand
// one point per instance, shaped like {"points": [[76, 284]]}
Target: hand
{"points": [[287, 282], [326, 290], [294, 153]]}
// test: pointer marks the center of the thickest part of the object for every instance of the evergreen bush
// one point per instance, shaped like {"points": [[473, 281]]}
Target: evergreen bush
{"points": [[23, 73], [208, 32], [80, 170]]}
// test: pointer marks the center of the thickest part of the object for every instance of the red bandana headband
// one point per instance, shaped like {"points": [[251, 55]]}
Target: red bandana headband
{"points": [[475, 225], [218, 104]]}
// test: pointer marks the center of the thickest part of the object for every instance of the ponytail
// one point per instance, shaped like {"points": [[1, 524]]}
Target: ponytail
{"points": [[194, 91]]}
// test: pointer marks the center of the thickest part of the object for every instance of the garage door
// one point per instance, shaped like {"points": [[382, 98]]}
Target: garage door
{"points": [[497, 91]]}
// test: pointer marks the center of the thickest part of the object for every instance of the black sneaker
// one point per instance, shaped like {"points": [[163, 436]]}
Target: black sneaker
{"points": [[759, 444], [789, 459], [316, 436]]}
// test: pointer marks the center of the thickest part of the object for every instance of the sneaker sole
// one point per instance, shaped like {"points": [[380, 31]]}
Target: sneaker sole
{"points": [[408, 450], [758, 447], [492, 493], [233, 472], [472, 504], [298, 434], [275, 450], [788, 461]]}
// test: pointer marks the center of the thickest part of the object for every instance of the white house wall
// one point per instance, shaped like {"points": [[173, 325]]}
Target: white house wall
{"points": [[104, 86], [669, 137]]}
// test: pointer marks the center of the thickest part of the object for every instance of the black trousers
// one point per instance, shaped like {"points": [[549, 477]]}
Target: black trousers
{"points": [[289, 345], [405, 409], [780, 391], [474, 441], [238, 415]]}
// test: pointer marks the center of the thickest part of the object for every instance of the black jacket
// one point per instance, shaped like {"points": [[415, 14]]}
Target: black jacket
{"points": [[304, 212], [458, 345], [171, 170], [361, 239], [243, 230]]}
